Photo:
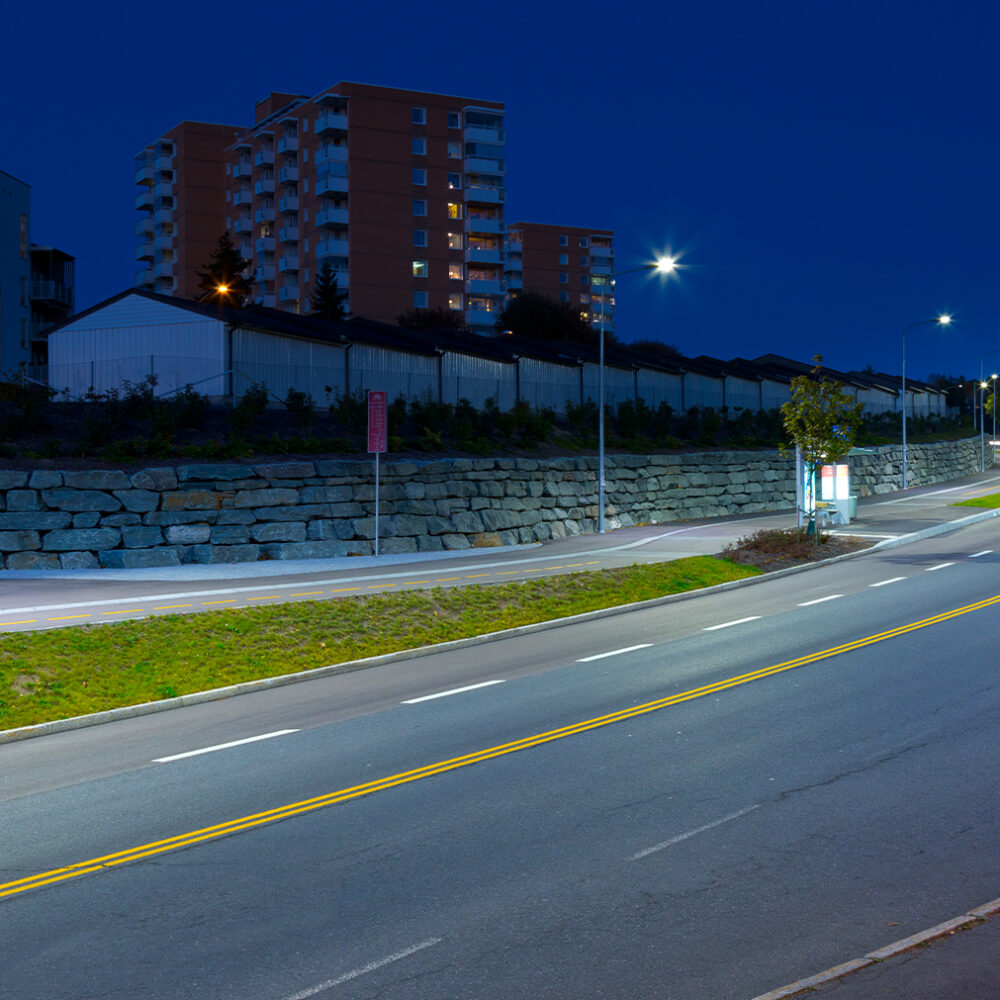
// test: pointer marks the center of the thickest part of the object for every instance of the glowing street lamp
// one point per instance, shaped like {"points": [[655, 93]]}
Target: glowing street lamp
{"points": [[943, 320], [665, 265]]}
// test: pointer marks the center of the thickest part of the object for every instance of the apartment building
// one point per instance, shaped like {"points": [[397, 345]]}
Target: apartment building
{"points": [[566, 263], [182, 181], [401, 191], [36, 284]]}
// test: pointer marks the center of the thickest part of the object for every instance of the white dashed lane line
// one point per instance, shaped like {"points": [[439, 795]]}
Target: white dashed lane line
{"points": [[738, 621], [820, 600], [445, 694], [224, 746], [615, 652]]}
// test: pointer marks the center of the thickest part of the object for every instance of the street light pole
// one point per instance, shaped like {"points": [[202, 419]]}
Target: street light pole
{"points": [[664, 265], [942, 320]]}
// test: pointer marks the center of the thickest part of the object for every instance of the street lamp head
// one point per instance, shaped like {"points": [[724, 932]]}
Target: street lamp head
{"points": [[222, 289], [665, 265], [944, 319]]}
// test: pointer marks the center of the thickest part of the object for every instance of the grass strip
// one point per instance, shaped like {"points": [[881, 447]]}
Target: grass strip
{"points": [[992, 500], [65, 672]]}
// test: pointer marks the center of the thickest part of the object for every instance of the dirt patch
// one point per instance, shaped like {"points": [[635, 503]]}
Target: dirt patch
{"points": [[773, 550]]}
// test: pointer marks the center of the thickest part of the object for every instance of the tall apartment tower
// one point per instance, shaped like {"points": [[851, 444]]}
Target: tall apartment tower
{"points": [[182, 180], [401, 191], [565, 263]]}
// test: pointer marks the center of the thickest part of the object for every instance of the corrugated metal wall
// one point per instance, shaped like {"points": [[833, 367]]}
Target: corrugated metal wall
{"points": [[547, 384], [283, 363], [742, 393], [656, 387], [464, 376], [619, 384], [413, 376]]}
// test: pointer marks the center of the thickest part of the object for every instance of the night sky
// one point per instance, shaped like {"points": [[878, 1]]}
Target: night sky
{"points": [[827, 172]]}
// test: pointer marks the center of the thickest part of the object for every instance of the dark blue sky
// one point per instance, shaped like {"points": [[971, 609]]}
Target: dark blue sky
{"points": [[827, 171]]}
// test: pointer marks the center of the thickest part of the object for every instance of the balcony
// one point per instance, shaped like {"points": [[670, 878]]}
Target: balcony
{"points": [[265, 272], [483, 224], [330, 154], [264, 214], [288, 234], [288, 293], [243, 197], [163, 269], [51, 291], [163, 215], [144, 201], [264, 158], [481, 318], [144, 278], [290, 262], [331, 185], [243, 224], [265, 244], [265, 186], [479, 165], [144, 227], [243, 168], [164, 189], [603, 268], [327, 218], [478, 134], [288, 144], [144, 173], [332, 248], [331, 121], [290, 203], [164, 241], [286, 174], [477, 255], [480, 286], [145, 251], [164, 161], [514, 282], [484, 195]]}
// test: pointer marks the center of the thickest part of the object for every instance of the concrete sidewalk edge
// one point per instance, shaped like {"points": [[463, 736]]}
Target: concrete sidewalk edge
{"points": [[315, 673]]}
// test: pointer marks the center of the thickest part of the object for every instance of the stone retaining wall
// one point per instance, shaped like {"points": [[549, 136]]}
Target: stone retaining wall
{"points": [[322, 509]]}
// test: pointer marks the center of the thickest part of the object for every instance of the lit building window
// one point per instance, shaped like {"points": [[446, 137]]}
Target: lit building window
{"points": [[454, 210], [454, 241], [454, 182], [455, 271], [454, 151], [420, 269], [455, 302]]}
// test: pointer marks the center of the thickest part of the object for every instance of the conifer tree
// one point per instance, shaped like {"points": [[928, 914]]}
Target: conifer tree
{"points": [[223, 276], [327, 300]]}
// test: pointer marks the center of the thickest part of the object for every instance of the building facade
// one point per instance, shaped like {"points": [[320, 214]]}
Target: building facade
{"points": [[182, 180], [565, 263]]}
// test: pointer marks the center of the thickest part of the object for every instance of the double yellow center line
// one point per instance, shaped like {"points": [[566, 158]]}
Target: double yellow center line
{"points": [[357, 791]]}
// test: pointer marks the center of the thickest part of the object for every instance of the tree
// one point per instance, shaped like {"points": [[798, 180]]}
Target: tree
{"points": [[534, 315], [223, 277], [433, 319], [327, 300], [821, 419], [654, 348]]}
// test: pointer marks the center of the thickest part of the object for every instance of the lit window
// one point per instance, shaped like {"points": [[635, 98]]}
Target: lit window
{"points": [[454, 121], [564, 241], [584, 315], [418, 145], [455, 182], [584, 299], [454, 241], [419, 300], [454, 210], [419, 206], [419, 176], [564, 260], [420, 269], [563, 278], [455, 271], [420, 237], [418, 116], [455, 302], [454, 151], [583, 242]]}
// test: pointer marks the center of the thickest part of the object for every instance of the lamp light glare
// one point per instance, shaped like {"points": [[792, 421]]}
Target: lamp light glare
{"points": [[666, 264], [944, 319]]}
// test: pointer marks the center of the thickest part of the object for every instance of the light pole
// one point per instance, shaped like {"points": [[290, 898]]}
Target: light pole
{"points": [[942, 320], [982, 406], [664, 265]]}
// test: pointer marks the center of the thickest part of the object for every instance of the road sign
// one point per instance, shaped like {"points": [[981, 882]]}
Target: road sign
{"points": [[377, 422]]}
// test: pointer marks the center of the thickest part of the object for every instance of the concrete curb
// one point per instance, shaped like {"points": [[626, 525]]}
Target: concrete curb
{"points": [[977, 916], [217, 694]]}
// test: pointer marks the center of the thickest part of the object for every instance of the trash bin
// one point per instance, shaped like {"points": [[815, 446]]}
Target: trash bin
{"points": [[852, 507]]}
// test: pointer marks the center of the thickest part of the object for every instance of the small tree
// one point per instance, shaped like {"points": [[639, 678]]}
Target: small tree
{"points": [[433, 319], [534, 315], [223, 279], [328, 301], [821, 420]]}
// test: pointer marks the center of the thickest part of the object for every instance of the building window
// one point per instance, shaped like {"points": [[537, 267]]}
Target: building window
{"points": [[564, 296], [420, 237], [584, 261], [564, 260], [454, 210], [454, 182], [419, 300], [455, 302], [584, 298], [418, 145], [455, 271], [583, 242], [454, 151], [420, 269], [584, 279], [419, 206], [454, 120], [584, 315], [564, 241], [563, 278], [420, 176], [455, 241], [418, 116]]}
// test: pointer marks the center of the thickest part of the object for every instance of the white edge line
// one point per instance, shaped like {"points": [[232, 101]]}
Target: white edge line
{"points": [[615, 652], [820, 600], [976, 555], [738, 621], [224, 746], [693, 833], [930, 569], [364, 970], [444, 694], [883, 583]]}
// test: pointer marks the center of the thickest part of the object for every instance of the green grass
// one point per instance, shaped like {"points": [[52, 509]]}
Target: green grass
{"points": [[993, 500], [65, 672]]}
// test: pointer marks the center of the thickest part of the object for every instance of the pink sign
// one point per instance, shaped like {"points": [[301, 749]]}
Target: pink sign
{"points": [[376, 422]]}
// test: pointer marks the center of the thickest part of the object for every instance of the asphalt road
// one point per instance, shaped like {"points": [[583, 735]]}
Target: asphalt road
{"points": [[704, 799]]}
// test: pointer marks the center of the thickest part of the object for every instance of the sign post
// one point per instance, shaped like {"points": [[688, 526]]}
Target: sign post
{"points": [[376, 439]]}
